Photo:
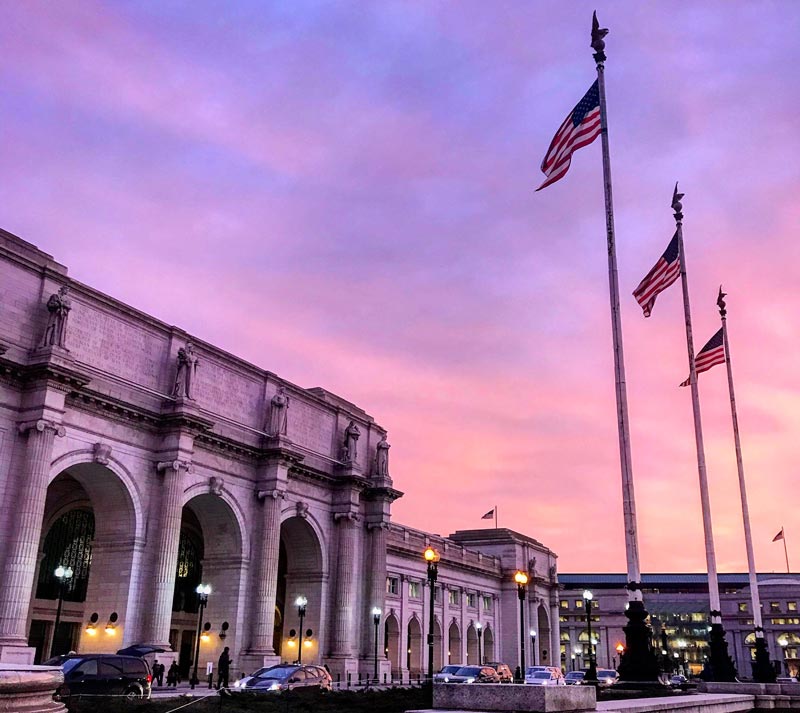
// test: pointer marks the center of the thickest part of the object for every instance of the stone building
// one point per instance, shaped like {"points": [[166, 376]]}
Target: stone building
{"points": [[679, 614], [148, 461]]}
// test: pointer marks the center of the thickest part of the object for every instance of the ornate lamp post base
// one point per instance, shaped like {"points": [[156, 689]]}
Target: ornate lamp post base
{"points": [[638, 662], [720, 666], [763, 672]]}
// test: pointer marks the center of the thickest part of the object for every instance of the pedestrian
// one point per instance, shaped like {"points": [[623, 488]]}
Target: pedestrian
{"points": [[223, 668], [158, 676], [173, 675]]}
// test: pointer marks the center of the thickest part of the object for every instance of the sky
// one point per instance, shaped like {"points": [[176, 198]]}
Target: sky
{"points": [[343, 193]]}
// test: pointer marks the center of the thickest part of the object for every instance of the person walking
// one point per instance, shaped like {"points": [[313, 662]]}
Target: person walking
{"points": [[173, 675], [223, 668]]}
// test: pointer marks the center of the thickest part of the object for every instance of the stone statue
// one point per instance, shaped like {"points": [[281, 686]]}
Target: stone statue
{"points": [[59, 305], [278, 412], [382, 457], [187, 367], [350, 449]]}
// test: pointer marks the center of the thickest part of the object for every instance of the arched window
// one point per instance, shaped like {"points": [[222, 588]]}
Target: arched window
{"points": [[68, 544], [188, 573]]}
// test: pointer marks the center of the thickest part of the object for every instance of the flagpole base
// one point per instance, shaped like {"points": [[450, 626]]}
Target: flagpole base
{"points": [[719, 666], [638, 662], [763, 671]]}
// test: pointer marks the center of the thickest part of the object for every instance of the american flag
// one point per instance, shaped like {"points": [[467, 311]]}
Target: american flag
{"points": [[580, 128], [663, 274], [711, 354]]}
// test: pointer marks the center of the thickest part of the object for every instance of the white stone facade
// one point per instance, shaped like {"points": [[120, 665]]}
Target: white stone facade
{"points": [[220, 472]]}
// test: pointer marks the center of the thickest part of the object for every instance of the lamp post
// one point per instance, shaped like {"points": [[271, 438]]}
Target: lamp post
{"points": [[432, 558], [479, 629], [203, 590], [376, 619], [533, 647], [63, 575], [522, 580], [572, 656], [587, 603], [783, 642], [301, 602], [620, 648]]}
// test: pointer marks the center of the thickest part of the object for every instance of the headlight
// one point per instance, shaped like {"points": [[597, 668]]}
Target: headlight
{"points": [[239, 683], [447, 679], [275, 687], [470, 680]]}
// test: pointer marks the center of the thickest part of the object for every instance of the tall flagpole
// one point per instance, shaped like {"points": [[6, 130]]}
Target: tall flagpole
{"points": [[638, 663], [785, 550], [763, 672], [721, 666]]}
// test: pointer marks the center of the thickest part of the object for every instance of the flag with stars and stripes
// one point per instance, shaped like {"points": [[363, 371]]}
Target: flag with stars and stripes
{"points": [[580, 128], [663, 274], [711, 354]]}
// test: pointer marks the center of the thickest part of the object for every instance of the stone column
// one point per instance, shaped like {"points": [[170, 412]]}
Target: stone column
{"points": [[167, 542], [23, 547], [344, 604], [266, 574], [555, 636]]}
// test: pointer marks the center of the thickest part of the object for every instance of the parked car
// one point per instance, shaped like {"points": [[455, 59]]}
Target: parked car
{"points": [[678, 680], [105, 675], [574, 678], [786, 679], [475, 674], [285, 677], [544, 677], [503, 670], [607, 676], [444, 675]]}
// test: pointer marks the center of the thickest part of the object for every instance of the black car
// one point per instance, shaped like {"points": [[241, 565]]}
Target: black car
{"points": [[105, 675]]}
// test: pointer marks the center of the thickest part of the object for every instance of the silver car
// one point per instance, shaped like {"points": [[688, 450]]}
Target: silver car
{"points": [[284, 677], [446, 673]]}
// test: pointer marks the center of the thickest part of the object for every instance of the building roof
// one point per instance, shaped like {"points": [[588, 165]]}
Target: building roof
{"points": [[670, 579]]}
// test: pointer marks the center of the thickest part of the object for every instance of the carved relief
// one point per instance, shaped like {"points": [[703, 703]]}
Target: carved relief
{"points": [[58, 306], [215, 485], [102, 453], [302, 509], [184, 376]]}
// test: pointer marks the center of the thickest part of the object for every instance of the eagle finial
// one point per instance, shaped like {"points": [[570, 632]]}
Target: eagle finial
{"points": [[598, 33], [677, 206], [721, 302]]}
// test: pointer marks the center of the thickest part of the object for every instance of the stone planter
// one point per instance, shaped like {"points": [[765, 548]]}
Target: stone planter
{"points": [[29, 689]]}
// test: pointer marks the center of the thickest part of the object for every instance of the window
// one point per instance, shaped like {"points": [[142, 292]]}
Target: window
{"points": [[437, 594], [472, 600], [742, 606], [774, 606], [579, 603], [487, 603], [698, 616], [595, 603], [393, 585], [68, 543], [564, 604], [413, 590], [791, 606], [452, 596], [562, 619]]}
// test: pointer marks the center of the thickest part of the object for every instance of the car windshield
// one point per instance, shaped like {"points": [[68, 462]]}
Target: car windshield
{"points": [[576, 674], [541, 674], [605, 673], [69, 664], [274, 674], [469, 671], [450, 669]]}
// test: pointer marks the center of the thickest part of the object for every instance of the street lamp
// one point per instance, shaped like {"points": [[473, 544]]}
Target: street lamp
{"points": [[479, 629], [376, 619], [522, 580], [301, 602], [203, 590], [587, 603], [620, 648], [432, 558], [63, 575], [533, 647]]}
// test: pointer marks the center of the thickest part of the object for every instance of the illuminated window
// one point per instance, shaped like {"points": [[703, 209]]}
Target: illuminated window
{"points": [[579, 603], [743, 606], [564, 604], [791, 606], [774, 606]]}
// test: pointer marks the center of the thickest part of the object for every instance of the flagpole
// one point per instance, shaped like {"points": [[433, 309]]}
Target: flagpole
{"points": [[722, 668], [785, 551], [763, 672], [495, 517], [638, 663]]}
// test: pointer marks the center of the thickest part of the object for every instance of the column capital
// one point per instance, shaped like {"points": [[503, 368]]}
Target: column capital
{"points": [[41, 425], [274, 493], [346, 517], [174, 465], [378, 526]]}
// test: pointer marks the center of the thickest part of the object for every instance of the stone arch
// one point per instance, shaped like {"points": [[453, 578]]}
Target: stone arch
{"points": [[488, 644], [414, 650], [78, 481], [472, 645], [437, 645], [301, 572], [542, 654], [454, 643], [391, 642], [233, 505]]}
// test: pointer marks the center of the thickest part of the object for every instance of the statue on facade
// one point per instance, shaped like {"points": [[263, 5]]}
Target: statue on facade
{"points": [[184, 377], [382, 457], [278, 413], [58, 306], [350, 447]]}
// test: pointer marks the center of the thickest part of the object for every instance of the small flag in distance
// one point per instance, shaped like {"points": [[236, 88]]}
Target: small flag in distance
{"points": [[489, 515], [711, 354], [663, 274], [580, 128], [779, 536]]}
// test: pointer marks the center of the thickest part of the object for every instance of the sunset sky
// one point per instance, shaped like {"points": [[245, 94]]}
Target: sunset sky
{"points": [[343, 193]]}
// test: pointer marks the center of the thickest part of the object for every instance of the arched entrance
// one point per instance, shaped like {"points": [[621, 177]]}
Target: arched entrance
{"points": [[543, 654], [472, 645], [488, 644], [437, 646], [210, 551], [454, 644], [391, 646], [300, 573], [100, 611], [414, 661]]}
